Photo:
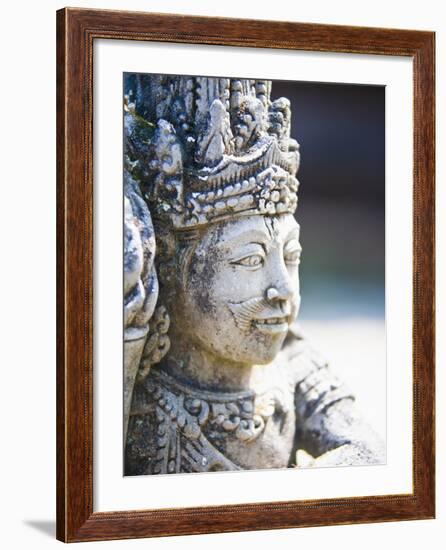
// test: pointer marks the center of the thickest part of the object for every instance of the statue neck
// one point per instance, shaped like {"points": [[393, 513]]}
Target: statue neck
{"points": [[206, 370]]}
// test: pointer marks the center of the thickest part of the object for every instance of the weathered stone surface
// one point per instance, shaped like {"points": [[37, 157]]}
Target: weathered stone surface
{"points": [[219, 375], [140, 283]]}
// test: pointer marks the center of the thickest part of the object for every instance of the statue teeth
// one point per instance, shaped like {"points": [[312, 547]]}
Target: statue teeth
{"points": [[272, 321]]}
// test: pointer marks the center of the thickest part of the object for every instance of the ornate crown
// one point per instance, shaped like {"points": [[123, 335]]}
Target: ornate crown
{"points": [[206, 149]]}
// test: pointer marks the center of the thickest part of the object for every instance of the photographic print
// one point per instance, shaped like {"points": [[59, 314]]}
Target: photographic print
{"points": [[254, 274], [245, 276]]}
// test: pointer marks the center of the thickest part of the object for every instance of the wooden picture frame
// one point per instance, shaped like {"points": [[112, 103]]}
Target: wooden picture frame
{"points": [[76, 31]]}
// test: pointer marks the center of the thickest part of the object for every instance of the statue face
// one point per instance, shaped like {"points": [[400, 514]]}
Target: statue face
{"points": [[241, 289]]}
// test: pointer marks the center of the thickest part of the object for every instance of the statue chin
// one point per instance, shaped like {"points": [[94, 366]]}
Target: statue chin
{"points": [[247, 351], [214, 346]]}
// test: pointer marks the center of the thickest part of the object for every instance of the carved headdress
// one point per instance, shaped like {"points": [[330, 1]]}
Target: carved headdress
{"points": [[206, 149]]}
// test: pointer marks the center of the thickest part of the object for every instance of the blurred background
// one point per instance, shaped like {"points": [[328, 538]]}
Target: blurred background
{"points": [[341, 133], [341, 211]]}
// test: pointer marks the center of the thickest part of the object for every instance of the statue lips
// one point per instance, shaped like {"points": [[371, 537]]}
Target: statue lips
{"points": [[274, 320], [257, 313], [272, 325]]}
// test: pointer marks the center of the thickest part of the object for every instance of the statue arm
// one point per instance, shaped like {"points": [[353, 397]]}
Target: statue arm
{"points": [[331, 430]]}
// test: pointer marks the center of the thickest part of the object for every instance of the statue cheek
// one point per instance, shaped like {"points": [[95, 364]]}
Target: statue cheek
{"points": [[295, 304], [202, 301]]}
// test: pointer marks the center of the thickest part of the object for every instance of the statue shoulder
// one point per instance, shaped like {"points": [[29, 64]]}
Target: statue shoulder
{"points": [[299, 356], [316, 386]]}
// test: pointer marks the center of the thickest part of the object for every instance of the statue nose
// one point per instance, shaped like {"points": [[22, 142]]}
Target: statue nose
{"points": [[279, 299], [274, 294]]}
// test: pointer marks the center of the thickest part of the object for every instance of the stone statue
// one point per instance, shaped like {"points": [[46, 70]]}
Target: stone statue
{"points": [[217, 374]]}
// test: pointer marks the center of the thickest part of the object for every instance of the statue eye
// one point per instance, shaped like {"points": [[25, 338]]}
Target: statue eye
{"points": [[253, 260], [292, 256]]}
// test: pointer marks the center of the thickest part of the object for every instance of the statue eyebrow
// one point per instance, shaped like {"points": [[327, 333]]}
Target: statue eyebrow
{"points": [[249, 236], [264, 245], [293, 234], [288, 244], [247, 249]]}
